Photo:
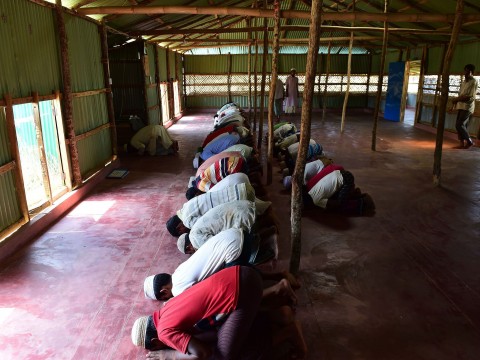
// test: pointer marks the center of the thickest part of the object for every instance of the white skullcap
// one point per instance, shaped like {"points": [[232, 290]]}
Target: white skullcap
{"points": [[181, 242], [148, 288], [293, 69], [139, 331]]}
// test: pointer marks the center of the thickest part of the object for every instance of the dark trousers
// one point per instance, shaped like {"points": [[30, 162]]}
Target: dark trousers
{"points": [[233, 333], [463, 117]]}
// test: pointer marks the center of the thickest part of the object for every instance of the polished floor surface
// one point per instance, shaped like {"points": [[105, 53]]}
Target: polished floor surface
{"points": [[403, 284]]}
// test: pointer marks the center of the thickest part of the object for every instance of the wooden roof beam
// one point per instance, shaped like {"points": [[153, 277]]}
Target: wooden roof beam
{"points": [[292, 14], [291, 28]]}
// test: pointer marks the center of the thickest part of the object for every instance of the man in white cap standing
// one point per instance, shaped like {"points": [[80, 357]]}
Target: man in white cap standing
{"points": [[291, 99]]}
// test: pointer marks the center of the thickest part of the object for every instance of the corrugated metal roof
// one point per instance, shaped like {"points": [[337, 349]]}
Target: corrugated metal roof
{"points": [[145, 23]]}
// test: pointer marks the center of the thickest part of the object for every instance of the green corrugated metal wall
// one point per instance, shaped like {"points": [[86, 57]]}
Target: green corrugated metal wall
{"points": [[9, 206], [29, 58], [152, 94], [162, 64], [89, 112]]}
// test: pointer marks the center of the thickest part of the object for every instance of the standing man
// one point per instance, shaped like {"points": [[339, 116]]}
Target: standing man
{"points": [[465, 104], [291, 92], [279, 96]]}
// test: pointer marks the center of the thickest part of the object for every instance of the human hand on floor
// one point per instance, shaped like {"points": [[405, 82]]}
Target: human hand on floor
{"points": [[294, 283]]}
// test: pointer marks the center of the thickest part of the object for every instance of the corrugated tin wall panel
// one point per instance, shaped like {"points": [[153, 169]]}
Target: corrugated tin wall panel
{"points": [[9, 206], [96, 150], [85, 54], [171, 60], [153, 113], [162, 63], [465, 54], [29, 57], [151, 63], [434, 60], [89, 112], [5, 155]]}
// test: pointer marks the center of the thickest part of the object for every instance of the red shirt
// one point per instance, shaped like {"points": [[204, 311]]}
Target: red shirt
{"points": [[321, 174], [203, 303], [210, 137]]}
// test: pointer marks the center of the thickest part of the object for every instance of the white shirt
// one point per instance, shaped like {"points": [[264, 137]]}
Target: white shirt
{"points": [[239, 214], [311, 169], [232, 179], [293, 149], [243, 149], [325, 188], [223, 248], [468, 88]]}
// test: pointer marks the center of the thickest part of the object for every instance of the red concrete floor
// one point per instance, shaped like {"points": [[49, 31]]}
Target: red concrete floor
{"points": [[403, 284]]}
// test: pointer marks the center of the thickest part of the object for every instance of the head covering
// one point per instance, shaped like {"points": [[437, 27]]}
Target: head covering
{"points": [[287, 182], [172, 224], [191, 192], [139, 331], [152, 286], [182, 240], [293, 69]]}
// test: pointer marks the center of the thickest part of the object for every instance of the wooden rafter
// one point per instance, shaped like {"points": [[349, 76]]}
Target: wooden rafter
{"points": [[292, 14]]}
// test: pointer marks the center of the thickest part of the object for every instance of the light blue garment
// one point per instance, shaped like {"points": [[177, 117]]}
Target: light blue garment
{"points": [[217, 146]]}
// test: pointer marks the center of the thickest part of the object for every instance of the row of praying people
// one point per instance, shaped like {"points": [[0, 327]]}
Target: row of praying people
{"points": [[221, 303], [325, 184]]}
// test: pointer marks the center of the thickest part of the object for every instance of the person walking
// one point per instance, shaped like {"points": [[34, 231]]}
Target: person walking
{"points": [[465, 104]]}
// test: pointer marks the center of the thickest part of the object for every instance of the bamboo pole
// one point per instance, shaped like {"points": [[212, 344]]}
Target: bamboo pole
{"points": [[438, 87], [15, 154], [249, 71], [297, 178], [67, 96], [255, 107], [66, 163], [334, 28], [262, 87], [421, 79], [184, 80], [369, 74], [157, 84], [380, 82], [266, 13], [41, 146], [327, 73], [273, 85], [108, 86], [437, 163], [229, 77], [349, 71]]}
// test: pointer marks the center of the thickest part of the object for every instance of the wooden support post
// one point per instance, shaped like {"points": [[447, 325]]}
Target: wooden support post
{"points": [[368, 77], [380, 81], [327, 72], [421, 79], [438, 88], [273, 85], [437, 163], [229, 77], [144, 60], [66, 161], [184, 83], [157, 84], [297, 177], [15, 153], [262, 87], [255, 103], [108, 86], [67, 96], [43, 157], [349, 71], [249, 72]]}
